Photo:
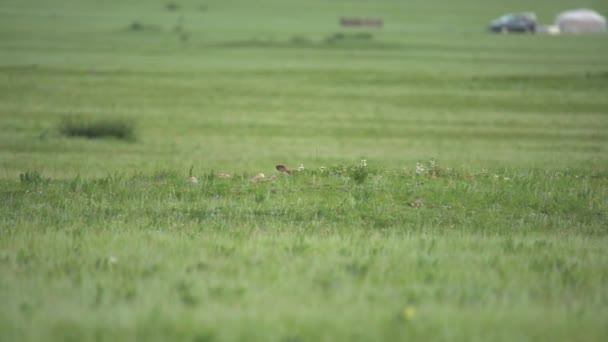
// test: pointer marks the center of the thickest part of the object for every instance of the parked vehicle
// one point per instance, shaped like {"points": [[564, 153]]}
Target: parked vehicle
{"points": [[514, 22]]}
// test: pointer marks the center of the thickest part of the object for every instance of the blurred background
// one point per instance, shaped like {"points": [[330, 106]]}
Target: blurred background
{"points": [[242, 85]]}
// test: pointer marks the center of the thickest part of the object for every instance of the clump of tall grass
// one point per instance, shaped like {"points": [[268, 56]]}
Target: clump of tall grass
{"points": [[98, 128], [31, 176]]}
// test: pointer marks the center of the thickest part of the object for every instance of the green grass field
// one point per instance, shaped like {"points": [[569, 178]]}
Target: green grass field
{"points": [[481, 213]]}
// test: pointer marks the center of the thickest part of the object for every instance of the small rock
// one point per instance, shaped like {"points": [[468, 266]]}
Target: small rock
{"points": [[258, 178], [417, 204]]}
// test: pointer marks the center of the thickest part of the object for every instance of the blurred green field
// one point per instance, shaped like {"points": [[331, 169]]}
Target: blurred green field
{"points": [[103, 239], [254, 84]]}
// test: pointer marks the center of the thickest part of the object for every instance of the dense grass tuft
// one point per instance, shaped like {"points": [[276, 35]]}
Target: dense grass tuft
{"points": [[98, 128], [31, 177]]}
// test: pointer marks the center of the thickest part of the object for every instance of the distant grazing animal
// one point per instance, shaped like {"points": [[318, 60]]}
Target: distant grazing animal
{"points": [[191, 178], [284, 170], [287, 171]]}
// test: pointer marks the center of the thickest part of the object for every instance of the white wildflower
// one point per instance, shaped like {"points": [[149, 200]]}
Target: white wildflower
{"points": [[419, 168]]}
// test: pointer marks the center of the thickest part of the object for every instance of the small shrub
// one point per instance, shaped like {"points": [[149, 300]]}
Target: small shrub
{"points": [[358, 174], [171, 6], [98, 128], [136, 26], [30, 177]]}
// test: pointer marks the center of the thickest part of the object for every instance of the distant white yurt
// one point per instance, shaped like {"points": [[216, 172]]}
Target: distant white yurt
{"points": [[581, 21]]}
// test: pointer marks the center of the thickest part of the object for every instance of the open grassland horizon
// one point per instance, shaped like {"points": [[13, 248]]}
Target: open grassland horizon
{"points": [[455, 182], [249, 89]]}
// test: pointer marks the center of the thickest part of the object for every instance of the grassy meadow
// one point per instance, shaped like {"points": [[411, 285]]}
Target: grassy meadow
{"points": [[455, 182]]}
